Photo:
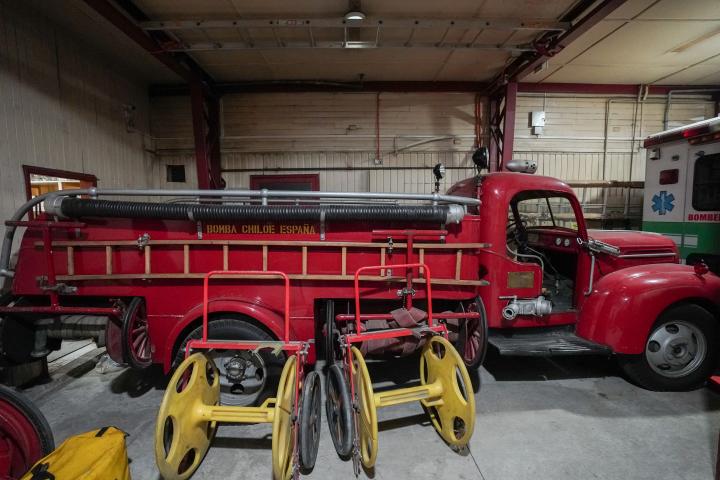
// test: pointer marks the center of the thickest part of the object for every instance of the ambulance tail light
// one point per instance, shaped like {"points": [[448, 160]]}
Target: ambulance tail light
{"points": [[694, 132], [669, 177]]}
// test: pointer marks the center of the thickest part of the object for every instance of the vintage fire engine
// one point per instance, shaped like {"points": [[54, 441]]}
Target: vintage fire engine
{"points": [[512, 263]]}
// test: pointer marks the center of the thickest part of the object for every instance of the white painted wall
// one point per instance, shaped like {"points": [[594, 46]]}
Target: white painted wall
{"points": [[572, 145], [61, 107], [305, 130], [316, 130]]}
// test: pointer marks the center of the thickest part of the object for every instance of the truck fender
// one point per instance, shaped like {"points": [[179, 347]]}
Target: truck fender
{"points": [[625, 304], [270, 319]]}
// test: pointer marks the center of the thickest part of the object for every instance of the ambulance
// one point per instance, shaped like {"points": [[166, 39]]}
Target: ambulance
{"points": [[682, 190]]}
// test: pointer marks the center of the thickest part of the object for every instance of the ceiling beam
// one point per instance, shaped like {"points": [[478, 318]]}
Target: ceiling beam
{"points": [[205, 101], [550, 44], [301, 86], [370, 22], [604, 88], [125, 21], [349, 45]]}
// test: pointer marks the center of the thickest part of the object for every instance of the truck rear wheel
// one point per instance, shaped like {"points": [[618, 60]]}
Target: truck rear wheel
{"points": [[680, 351], [246, 378], [472, 341], [136, 344], [25, 436]]}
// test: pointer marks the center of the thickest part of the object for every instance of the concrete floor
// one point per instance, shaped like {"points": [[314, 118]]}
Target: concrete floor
{"points": [[568, 418]]}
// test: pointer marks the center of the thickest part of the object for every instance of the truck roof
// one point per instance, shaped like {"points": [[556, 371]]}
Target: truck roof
{"points": [[702, 131], [510, 182]]}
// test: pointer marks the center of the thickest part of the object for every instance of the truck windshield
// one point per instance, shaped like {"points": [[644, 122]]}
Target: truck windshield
{"points": [[544, 211]]}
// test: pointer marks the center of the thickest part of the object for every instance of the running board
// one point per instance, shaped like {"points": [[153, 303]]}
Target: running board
{"points": [[535, 342]]}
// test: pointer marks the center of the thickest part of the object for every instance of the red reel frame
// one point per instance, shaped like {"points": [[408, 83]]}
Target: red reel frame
{"points": [[296, 348], [361, 390]]}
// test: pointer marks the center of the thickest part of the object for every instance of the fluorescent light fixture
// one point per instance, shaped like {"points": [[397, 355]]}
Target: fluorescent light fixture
{"points": [[355, 16]]}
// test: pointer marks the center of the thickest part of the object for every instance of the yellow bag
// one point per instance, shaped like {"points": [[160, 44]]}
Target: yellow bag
{"points": [[95, 455]]}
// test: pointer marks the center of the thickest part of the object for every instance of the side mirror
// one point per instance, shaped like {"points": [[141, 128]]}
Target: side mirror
{"points": [[481, 159]]}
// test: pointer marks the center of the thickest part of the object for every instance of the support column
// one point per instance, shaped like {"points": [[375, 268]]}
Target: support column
{"points": [[495, 141], [509, 123], [213, 141], [502, 126], [206, 133]]}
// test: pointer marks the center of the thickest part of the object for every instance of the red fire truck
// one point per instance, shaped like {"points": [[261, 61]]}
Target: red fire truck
{"points": [[509, 252]]}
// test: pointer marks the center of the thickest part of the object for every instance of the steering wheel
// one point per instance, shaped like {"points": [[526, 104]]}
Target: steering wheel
{"points": [[517, 232]]}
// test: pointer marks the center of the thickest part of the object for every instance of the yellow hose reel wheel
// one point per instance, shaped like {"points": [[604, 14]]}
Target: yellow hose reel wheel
{"points": [[454, 416], [282, 429], [367, 411], [183, 431]]}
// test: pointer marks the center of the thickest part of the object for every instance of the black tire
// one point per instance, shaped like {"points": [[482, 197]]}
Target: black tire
{"points": [[331, 333], [34, 416], [237, 328], [338, 408], [129, 321], [638, 369], [479, 331], [310, 421]]}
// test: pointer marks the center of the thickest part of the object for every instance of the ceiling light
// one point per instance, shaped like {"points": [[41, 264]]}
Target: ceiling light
{"points": [[355, 16]]}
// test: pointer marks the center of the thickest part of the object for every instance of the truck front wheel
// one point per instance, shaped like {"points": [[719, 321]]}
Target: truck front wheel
{"points": [[246, 377], [680, 352]]}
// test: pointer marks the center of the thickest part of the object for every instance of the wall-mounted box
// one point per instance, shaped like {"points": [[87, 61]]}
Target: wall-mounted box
{"points": [[537, 122]]}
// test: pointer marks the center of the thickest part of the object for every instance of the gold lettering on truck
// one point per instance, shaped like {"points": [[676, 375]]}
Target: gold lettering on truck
{"points": [[254, 228]]}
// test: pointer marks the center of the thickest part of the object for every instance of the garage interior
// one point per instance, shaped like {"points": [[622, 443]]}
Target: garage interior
{"points": [[368, 96]]}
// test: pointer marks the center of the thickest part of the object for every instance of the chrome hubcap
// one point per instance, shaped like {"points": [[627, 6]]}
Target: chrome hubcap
{"points": [[675, 349], [242, 377]]}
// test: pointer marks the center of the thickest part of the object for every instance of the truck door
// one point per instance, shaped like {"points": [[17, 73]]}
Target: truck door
{"points": [[701, 232], [542, 240]]}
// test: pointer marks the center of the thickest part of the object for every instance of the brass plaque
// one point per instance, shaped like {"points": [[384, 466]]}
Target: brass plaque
{"points": [[521, 279]]}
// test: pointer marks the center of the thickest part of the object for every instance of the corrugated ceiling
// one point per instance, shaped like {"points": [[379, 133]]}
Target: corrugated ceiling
{"points": [[644, 41]]}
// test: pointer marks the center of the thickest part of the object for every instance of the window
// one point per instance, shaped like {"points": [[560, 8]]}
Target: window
{"points": [[303, 183], [40, 180], [538, 210], [175, 173], [706, 183]]}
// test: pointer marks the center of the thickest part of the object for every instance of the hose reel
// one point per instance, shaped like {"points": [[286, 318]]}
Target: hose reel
{"points": [[191, 409], [445, 389]]}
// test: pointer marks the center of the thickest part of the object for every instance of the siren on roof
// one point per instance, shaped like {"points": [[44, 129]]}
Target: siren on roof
{"points": [[522, 166]]}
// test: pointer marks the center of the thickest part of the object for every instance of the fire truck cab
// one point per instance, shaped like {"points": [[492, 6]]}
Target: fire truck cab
{"points": [[557, 288], [512, 247]]}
